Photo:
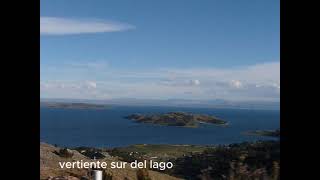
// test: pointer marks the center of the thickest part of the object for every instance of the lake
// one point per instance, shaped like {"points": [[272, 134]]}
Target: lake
{"points": [[109, 128]]}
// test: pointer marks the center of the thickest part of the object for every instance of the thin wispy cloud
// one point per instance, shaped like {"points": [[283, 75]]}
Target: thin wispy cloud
{"points": [[69, 26]]}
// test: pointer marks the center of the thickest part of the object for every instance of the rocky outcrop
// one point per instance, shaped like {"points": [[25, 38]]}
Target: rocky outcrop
{"points": [[66, 178]]}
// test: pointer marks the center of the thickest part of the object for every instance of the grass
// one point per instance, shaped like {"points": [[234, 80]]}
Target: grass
{"points": [[163, 150]]}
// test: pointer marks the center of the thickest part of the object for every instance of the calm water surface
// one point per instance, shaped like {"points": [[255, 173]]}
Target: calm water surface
{"points": [[109, 128]]}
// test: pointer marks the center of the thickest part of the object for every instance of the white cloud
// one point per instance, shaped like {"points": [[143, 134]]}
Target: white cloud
{"points": [[260, 73], [91, 85], [66, 26], [256, 82], [175, 82], [236, 83], [72, 89], [195, 82]]}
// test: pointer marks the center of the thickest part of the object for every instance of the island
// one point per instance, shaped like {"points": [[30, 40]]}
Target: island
{"points": [[177, 119]]}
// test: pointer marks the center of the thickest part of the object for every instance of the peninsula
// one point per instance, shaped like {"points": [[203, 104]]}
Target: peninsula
{"points": [[177, 119]]}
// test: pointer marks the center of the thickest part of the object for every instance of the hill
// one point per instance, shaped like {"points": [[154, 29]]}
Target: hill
{"points": [[50, 156]]}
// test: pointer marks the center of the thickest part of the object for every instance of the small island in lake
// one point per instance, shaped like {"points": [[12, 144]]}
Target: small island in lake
{"points": [[177, 119]]}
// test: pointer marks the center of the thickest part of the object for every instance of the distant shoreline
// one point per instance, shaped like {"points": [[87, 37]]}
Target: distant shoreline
{"points": [[59, 105], [173, 103], [269, 133]]}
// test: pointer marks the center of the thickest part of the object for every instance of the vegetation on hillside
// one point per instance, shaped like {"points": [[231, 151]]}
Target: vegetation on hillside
{"points": [[250, 161]]}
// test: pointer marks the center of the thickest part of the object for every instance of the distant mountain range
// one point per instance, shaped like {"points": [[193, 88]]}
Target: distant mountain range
{"points": [[215, 103]]}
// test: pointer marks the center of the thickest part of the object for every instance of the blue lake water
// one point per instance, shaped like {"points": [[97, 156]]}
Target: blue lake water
{"points": [[109, 128]]}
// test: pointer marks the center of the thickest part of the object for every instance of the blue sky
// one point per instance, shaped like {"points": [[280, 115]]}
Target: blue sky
{"points": [[165, 49]]}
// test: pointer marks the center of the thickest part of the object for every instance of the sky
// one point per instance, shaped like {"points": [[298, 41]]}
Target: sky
{"points": [[148, 49]]}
